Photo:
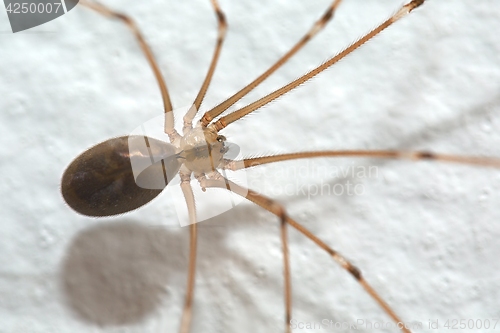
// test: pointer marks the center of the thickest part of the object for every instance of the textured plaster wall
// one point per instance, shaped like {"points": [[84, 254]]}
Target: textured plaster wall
{"points": [[424, 234]]}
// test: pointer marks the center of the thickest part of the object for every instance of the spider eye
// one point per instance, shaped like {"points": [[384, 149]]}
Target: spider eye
{"points": [[221, 138]]}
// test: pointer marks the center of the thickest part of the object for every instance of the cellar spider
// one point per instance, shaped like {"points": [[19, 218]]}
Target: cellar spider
{"points": [[328, 305]]}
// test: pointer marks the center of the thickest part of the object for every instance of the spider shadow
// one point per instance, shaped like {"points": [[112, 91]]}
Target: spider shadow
{"points": [[120, 273], [114, 273]]}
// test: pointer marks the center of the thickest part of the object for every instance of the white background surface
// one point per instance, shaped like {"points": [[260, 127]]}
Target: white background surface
{"points": [[424, 234]]}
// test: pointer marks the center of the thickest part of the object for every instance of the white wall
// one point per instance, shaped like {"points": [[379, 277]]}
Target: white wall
{"points": [[424, 234]]}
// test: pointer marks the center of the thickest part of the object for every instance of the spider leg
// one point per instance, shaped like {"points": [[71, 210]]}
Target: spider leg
{"points": [[394, 154], [278, 210], [286, 268], [222, 28], [167, 104], [193, 232], [216, 178]]}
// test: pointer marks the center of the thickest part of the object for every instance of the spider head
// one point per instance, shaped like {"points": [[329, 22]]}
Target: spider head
{"points": [[203, 149]]}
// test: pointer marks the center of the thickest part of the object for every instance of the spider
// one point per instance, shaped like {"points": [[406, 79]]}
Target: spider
{"points": [[358, 209]]}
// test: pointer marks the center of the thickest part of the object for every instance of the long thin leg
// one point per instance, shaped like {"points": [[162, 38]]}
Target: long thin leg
{"points": [[232, 117], [410, 155], [167, 104], [222, 28], [193, 232], [278, 210], [317, 27], [286, 271]]}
